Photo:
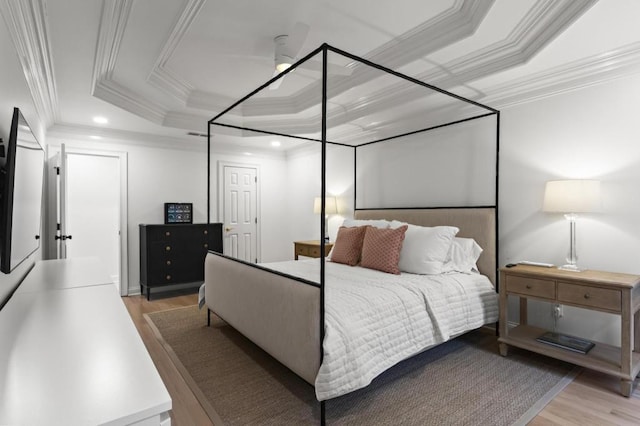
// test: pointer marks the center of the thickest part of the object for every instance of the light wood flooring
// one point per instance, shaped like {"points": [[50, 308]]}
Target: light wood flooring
{"points": [[591, 399]]}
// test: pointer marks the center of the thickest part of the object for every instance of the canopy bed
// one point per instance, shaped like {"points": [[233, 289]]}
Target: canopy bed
{"points": [[338, 324]]}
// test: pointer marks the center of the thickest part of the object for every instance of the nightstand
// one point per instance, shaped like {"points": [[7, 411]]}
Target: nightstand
{"points": [[595, 290], [310, 248]]}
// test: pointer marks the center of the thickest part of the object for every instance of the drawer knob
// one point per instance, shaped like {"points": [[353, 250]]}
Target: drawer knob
{"points": [[206, 232], [168, 262], [167, 233], [168, 277], [168, 248], [528, 286], [206, 245], [586, 296]]}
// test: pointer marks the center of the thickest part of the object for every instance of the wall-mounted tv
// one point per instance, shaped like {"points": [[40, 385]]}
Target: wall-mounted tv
{"points": [[21, 185]]}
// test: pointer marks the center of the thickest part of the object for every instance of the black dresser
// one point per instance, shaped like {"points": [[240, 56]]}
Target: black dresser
{"points": [[174, 254]]}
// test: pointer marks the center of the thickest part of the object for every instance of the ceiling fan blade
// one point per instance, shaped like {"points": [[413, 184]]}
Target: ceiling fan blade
{"points": [[335, 69], [296, 39], [277, 83]]}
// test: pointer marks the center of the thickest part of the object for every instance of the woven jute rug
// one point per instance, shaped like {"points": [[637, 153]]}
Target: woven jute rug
{"points": [[461, 382]]}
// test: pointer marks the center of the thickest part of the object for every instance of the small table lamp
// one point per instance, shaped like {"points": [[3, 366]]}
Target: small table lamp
{"points": [[330, 207], [571, 197]]}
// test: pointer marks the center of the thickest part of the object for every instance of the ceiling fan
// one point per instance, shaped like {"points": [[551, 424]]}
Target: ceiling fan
{"points": [[286, 50]]}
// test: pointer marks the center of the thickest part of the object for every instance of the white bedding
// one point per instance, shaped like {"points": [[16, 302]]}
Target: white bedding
{"points": [[373, 319]]}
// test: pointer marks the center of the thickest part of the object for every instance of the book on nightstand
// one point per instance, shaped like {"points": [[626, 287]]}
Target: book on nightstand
{"points": [[566, 342]]}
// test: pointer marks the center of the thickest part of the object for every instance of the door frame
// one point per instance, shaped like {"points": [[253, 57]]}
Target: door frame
{"points": [[220, 197], [123, 222]]}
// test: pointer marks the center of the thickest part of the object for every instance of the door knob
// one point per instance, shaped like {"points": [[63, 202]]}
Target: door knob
{"points": [[227, 229]]}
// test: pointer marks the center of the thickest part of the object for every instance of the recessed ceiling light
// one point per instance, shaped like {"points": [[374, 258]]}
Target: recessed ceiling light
{"points": [[248, 153], [95, 137], [275, 143], [100, 120]]}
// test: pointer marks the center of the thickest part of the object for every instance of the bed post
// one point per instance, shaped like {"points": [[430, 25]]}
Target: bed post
{"points": [[323, 231]]}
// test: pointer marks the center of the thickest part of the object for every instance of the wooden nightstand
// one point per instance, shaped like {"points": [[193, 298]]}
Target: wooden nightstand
{"points": [[596, 290], [310, 248]]}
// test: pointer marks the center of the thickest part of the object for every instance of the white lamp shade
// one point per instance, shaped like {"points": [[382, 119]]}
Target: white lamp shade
{"points": [[572, 196], [330, 205]]}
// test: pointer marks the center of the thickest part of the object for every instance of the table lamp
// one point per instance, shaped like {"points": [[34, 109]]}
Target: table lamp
{"points": [[571, 197], [330, 207]]}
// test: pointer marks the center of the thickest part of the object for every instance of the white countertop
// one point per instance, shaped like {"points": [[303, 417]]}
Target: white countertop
{"points": [[74, 357], [65, 273]]}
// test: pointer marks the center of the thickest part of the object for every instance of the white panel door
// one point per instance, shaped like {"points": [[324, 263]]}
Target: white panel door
{"points": [[93, 209], [90, 208], [240, 213]]}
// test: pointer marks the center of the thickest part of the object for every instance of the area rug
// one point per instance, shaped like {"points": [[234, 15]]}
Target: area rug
{"points": [[461, 382]]}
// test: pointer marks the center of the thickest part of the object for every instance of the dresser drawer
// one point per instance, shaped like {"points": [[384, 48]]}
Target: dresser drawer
{"points": [[592, 297], [545, 289]]}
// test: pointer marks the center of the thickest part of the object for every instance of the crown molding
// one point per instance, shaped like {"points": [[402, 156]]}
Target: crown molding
{"points": [[455, 24], [113, 21], [187, 121], [83, 133], [545, 21], [450, 26], [575, 75], [208, 101], [160, 76], [125, 98], [27, 25]]}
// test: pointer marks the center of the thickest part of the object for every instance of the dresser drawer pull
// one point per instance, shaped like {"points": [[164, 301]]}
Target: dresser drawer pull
{"points": [[168, 277], [528, 286], [168, 248], [167, 233], [168, 262], [206, 245], [205, 232], [586, 296]]}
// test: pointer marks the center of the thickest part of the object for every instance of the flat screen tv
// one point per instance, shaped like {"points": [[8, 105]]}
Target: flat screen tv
{"points": [[21, 185]]}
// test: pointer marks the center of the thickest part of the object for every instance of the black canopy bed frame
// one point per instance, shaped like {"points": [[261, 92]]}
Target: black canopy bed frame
{"points": [[465, 110]]}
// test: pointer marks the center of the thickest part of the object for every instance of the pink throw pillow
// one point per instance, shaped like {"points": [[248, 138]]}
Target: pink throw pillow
{"points": [[381, 249], [348, 245]]}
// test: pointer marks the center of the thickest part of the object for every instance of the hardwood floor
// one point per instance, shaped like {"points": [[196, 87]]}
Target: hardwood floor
{"points": [[591, 399], [186, 408]]}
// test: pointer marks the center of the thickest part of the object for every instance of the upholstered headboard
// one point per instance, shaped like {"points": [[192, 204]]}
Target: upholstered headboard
{"points": [[477, 223]]}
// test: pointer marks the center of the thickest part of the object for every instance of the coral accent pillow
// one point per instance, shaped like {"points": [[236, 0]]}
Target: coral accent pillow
{"points": [[381, 249], [348, 245]]}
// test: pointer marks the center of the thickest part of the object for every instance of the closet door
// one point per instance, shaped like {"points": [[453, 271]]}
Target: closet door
{"points": [[240, 212]]}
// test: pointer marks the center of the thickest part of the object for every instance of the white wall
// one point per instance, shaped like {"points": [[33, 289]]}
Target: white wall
{"points": [[158, 174], [589, 133], [304, 181], [451, 166], [15, 93]]}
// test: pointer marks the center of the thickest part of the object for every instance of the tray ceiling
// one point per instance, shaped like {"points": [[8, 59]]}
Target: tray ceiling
{"points": [[164, 67]]}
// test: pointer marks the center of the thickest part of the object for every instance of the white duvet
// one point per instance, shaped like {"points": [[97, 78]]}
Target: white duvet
{"points": [[374, 320]]}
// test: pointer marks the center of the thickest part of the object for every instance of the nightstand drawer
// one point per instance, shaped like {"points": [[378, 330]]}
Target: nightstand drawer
{"points": [[593, 297], [314, 251], [545, 289], [304, 250]]}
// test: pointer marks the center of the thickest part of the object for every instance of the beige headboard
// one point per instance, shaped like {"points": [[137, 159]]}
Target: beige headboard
{"points": [[477, 223]]}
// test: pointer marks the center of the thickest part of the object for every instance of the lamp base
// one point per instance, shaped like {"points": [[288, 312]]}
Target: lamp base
{"points": [[571, 267]]}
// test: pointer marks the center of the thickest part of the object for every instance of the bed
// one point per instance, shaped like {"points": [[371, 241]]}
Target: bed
{"points": [[277, 305], [290, 309]]}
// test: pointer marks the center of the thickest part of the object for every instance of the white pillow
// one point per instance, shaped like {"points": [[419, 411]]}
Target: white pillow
{"points": [[463, 255], [425, 249], [377, 223]]}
